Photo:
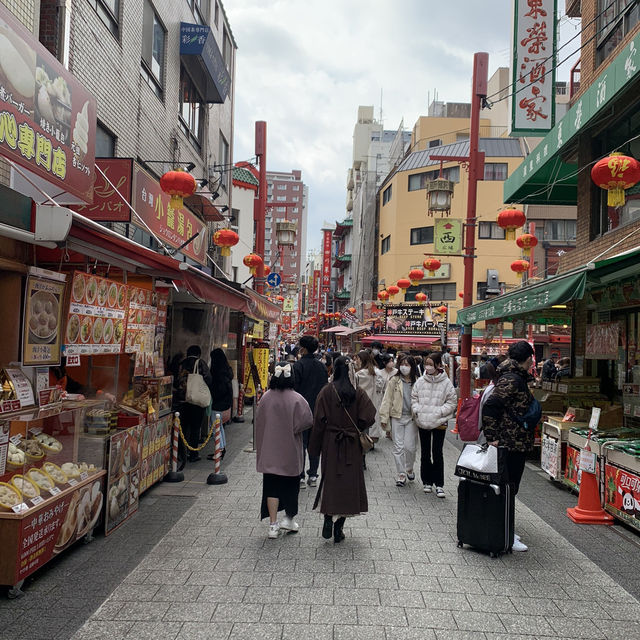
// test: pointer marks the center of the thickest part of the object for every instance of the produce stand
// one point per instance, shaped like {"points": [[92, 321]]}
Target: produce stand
{"points": [[622, 481], [555, 434]]}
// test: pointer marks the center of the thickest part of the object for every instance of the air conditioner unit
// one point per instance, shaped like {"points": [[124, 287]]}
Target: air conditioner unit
{"points": [[493, 284]]}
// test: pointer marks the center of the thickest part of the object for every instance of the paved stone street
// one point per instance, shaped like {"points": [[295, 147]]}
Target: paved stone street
{"points": [[398, 575]]}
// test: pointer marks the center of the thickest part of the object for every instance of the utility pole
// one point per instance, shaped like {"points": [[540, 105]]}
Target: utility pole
{"points": [[260, 203]]}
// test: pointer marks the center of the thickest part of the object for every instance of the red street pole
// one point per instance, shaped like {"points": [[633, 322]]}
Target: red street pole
{"points": [[532, 270], [476, 172], [260, 203]]}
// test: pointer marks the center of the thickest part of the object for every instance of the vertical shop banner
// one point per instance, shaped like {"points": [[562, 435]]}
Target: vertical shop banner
{"points": [[162, 300], [97, 315], [448, 236], [43, 318], [142, 316], [47, 118], [261, 361], [108, 205], [533, 64], [326, 260], [155, 439], [123, 479], [173, 226]]}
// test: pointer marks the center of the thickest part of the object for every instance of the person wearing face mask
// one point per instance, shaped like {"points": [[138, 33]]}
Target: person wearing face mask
{"points": [[377, 351], [395, 416], [433, 402]]}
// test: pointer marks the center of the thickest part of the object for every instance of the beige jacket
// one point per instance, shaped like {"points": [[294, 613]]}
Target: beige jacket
{"points": [[391, 406]]}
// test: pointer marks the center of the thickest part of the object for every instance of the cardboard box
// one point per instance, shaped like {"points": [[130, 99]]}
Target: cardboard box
{"points": [[611, 417]]}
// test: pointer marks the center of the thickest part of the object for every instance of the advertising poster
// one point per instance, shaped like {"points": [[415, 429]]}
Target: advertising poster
{"points": [[602, 340], [549, 456], [141, 329], [155, 443], [123, 479], [420, 320], [622, 494], [47, 118], [97, 316], [261, 360], [42, 322]]}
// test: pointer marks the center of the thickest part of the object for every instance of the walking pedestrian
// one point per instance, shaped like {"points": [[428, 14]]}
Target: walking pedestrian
{"points": [[433, 402], [341, 412], [511, 398], [221, 385], [377, 351], [282, 416], [310, 375], [396, 417], [368, 379], [191, 415]]}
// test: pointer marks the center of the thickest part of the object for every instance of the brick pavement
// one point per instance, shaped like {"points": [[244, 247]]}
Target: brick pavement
{"points": [[398, 575]]}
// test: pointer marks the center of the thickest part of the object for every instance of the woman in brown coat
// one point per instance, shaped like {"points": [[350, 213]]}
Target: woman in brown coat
{"points": [[339, 408]]}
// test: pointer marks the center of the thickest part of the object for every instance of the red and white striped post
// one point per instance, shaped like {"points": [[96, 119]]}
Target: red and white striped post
{"points": [[174, 475], [216, 477]]}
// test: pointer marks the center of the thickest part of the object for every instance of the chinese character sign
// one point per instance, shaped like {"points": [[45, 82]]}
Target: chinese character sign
{"points": [[448, 236], [47, 118], [533, 106], [326, 260]]}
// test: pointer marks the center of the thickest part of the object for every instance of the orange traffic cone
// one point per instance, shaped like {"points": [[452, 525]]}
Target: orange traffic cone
{"points": [[589, 509], [455, 428]]}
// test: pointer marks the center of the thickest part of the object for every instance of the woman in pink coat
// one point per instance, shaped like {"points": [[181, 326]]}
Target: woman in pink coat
{"points": [[281, 416]]}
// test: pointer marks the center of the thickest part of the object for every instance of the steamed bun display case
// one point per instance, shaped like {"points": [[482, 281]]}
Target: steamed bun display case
{"points": [[51, 486]]}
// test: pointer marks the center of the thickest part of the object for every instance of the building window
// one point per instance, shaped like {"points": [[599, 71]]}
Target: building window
{"points": [[227, 50], [282, 187], [490, 231], [615, 19], [386, 245], [109, 12], [296, 187], [105, 143], [386, 195], [216, 12], [435, 143], [435, 292], [495, 170], [419, 180], [564, 230], [153, 48], [192, 111], [200, 10], [295, 209], [281, 198], [281, 209], [223, 159], [422, 235]]}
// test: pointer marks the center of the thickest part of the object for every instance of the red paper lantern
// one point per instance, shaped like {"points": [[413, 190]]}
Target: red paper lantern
{"points": [[519, 266], [267, 270], [383, 295], [351, 309], [253, 261], [526, 242], [421, 297], [415, 275], [225, 238], [460, 295], [404, 284], [178, 184], [393, 290], [510, 220], [432, 265], [442, 309], [337, 315], [615, 173], [280, 298]]}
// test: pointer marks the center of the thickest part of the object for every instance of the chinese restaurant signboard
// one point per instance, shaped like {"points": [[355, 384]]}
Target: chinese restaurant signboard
{"points": [[534, 52], [420, 320], [47, 118], [108, 205], [326, 260], [173, 226], [448, 236]]}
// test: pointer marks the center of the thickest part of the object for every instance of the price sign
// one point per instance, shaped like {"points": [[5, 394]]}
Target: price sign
{"points": [[73, 482], [587, 461], [595, 418], [73, 361], [16, 439], [84, 475], [54, 491], [19, 508], [37, 500]]}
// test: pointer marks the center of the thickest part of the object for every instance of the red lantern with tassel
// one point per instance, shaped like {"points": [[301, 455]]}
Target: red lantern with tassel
{"points": [[393, 290], [404, 284], [253, 261], [519, 267], [351, 310], [225, 238], [415, 275], [421, 297], [615, 173], [432, 265], [383, 295], [460, 295], [178, 184], [526, 242], [267, 270], [510, 220], [442, 309]]}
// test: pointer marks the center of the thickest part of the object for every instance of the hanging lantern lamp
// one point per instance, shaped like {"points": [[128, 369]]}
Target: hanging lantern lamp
{"points": [[439, 194], [267, 270], [519, 267], [225, 238], [383, 295], [404, 284], [421, 297], [442, 309], [432, 265], [286, 233], [253, 261], [615, 173], [415, 275], [510, 220], [460, 295], [178, 184], [280, 298], [526, 242], [393, 290], [351, 310]]}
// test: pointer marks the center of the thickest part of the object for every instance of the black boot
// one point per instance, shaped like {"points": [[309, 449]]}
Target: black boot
{"points": [[338, 534], [327, 527], [364, 461]]}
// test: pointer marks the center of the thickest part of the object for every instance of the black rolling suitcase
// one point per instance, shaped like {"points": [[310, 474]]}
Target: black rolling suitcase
{"points": [[486, 514]]}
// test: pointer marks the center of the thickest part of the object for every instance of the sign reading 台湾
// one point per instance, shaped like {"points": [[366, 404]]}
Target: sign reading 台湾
{"points": [[414, 319], [534, 49], [326, 260], [47, 118], [448, 236]]}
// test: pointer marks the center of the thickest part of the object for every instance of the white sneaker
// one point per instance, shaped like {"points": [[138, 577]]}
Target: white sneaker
{"points": [[427, 488], [440, 492], [401, 480], [273, 531], [289, 524], [303, 483], [312, 481], [516, 536], [411, 476], [519, 546]]}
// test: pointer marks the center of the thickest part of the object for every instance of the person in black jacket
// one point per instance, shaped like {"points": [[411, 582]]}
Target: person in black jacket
{"points": [[191, 416], [221, 377], [549, 369], [310, 376]]}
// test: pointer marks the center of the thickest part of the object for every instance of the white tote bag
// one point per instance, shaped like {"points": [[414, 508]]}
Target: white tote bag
{"points": [[198, 392], [481, 462]]}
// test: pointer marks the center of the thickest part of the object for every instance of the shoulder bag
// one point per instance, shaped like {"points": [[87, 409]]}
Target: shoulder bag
{"points": [[483, 463], [365, 439], [198, 392]]}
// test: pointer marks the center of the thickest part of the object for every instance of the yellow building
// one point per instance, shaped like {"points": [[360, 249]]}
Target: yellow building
{"points": [[406, 229]]}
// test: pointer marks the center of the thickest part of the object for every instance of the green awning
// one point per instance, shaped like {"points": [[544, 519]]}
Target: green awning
{"points": [[555, 290], [543, 177]]}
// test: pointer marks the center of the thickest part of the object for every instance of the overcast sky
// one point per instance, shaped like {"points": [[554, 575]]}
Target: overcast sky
{"points": [[304, 66]]}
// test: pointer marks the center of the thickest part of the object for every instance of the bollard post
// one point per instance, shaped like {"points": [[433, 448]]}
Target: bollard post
{"points": [[174, 475], [216, 477]]}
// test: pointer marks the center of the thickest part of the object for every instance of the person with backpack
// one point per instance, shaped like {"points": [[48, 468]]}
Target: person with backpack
{"points": [[433, 402], [510, 415], [395, 416]]}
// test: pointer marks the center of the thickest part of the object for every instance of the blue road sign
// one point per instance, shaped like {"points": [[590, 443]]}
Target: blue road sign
{"points": [[274, 279]]}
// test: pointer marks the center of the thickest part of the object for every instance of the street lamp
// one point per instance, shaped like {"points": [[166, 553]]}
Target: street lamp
{"points": [[439, 193], [286, 233]]}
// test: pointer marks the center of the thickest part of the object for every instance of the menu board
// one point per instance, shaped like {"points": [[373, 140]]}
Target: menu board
{"points": [[162, 296], [42, 322], [155, 451], [141, 329], [97, 316]]}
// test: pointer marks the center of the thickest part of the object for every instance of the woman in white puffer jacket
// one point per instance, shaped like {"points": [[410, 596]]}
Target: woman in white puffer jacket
{"points": [[433, 402]]}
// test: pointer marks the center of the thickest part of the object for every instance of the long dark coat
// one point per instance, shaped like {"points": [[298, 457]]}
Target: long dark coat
{"points": [[342, 490]]}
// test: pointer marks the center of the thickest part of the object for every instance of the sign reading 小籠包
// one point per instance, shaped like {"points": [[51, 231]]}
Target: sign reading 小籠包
{"points": [[447, 236], [534, 51], [414, 320], [47, 118]]}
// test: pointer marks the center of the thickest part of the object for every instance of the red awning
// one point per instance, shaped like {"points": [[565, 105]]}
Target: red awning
{"points": [[208, 289], [390, 338], [260, 308]]}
